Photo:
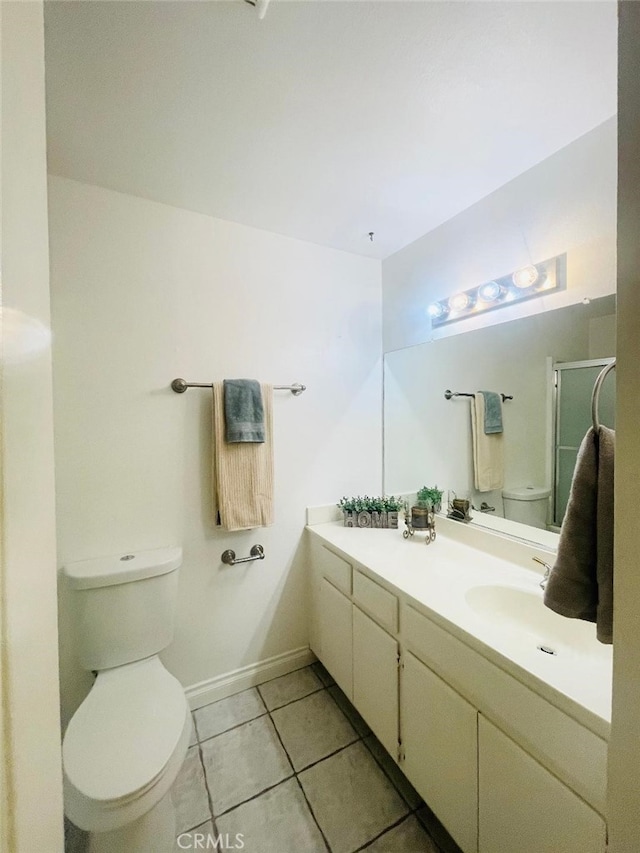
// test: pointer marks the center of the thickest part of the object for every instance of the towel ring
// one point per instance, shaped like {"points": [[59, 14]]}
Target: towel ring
{"points": [[595, 396]]}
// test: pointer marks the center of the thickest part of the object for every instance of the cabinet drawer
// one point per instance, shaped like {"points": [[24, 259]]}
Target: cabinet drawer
{"points": [[568, 749], [335, 569], [376, 601]]}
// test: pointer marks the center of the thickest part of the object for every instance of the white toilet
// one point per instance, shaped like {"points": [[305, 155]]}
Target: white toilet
{"points": [[126, 742], [527, 504]]}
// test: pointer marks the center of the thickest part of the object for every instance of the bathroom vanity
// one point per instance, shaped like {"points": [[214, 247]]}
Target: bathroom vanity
{"points": [[496, 709]]}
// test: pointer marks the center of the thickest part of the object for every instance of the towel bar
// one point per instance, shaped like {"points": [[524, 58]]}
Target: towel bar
{"points": [[180, 386], [229, 556], [449, 394], [595, 396]]}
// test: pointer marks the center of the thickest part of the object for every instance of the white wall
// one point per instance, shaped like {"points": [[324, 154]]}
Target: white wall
{"points": [[143, 293], [565, 204], [624, 752], [31, 789]]}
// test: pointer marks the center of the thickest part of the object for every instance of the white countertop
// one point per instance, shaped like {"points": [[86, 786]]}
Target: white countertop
{"points": [[443, 580]]}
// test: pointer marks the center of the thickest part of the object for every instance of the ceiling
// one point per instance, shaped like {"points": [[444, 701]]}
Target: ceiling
{"points": [[325, 120]]}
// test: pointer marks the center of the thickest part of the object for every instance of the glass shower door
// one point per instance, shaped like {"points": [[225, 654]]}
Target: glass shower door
{"points": [[574, 386]]}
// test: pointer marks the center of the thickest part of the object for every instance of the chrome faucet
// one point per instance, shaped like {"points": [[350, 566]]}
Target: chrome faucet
{"points": [[547, 571]]}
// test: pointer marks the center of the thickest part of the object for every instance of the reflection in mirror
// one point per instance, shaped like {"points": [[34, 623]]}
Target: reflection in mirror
{"points": [[548, 363]]}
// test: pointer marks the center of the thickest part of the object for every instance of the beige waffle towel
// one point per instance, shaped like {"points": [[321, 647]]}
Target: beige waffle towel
{"points": [[488, 462], [242, 473]]}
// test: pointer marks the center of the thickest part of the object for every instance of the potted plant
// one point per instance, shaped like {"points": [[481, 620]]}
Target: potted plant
{"points": [[428, 499], [371, 512]]}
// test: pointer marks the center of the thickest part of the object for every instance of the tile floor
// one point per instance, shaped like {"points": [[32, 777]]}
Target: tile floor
{"points": [[291, 767]]}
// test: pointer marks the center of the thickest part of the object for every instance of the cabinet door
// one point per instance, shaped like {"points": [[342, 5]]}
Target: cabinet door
{"points": [[375, 679], [439, 733], [523, 807], [335, 635]]}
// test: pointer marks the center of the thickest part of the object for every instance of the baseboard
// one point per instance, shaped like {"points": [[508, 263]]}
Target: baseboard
{"points": [[225, 685]]}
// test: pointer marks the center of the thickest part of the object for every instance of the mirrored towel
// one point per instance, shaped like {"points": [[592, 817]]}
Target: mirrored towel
{"points": [[488, 451], [492, 412]]}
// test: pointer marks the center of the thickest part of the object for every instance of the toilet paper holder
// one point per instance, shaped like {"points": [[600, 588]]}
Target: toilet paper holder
{"points": [[229, 556]]}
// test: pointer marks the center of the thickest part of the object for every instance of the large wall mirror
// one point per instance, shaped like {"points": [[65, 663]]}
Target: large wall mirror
{"points": [[547, 363]]}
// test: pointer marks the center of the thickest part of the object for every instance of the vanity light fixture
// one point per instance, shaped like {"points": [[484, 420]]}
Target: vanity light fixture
{"points": [[525, 283]]}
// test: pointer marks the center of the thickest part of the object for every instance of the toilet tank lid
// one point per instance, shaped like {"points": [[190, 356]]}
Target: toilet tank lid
{"points": [[123, 568], [526, 493]]}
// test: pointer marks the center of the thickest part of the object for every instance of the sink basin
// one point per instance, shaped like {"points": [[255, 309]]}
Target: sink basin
{"points": [[519, 609]]}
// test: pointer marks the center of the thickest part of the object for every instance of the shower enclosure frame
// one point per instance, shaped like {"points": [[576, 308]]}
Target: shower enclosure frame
{"points": [[557, 370]]}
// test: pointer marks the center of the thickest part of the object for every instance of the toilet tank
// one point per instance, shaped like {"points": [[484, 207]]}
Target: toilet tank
{"points": [[123, 607], [527, 504]]}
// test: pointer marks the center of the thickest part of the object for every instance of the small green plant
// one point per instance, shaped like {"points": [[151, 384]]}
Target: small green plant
{"points": [[366, 504], [429, 496]]}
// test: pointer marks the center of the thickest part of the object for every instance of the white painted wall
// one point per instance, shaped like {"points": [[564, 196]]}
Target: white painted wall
{"points": [[30, 740], [143, 293], [428, 438], [624, 752], [567, 203]]}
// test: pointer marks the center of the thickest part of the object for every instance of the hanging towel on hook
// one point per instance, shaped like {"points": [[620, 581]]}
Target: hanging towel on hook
{"points": [[580, 585], [242, 472]]}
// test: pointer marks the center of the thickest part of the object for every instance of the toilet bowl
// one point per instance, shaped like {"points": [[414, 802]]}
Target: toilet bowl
{"points": [[527, 504], [125, 744]]}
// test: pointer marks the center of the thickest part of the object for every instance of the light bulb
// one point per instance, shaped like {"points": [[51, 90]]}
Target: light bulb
{"points": [[436, 310], [490, 292], [526, 277], [459, 302]]}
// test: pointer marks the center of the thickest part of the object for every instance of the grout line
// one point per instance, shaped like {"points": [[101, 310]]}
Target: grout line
{"points": [[384, 832], [255, 796], [276, 677], [315, 819], [275, 728], [291, 701], [231, 728], [329, 755], [206, 785]]}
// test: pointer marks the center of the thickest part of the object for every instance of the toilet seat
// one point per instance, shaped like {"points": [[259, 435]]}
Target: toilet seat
{"points": [[131, 730]]}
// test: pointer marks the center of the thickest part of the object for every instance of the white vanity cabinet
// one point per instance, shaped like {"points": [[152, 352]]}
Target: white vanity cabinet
{"points": [[503, 768], [440, 750], [523, 807]]}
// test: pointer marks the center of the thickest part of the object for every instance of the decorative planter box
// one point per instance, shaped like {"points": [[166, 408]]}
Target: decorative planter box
{"points": [[370, 519]]}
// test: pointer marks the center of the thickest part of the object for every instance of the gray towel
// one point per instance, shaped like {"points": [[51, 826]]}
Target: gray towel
{"points": [[580, 585], [492, 412], [243, 411]]}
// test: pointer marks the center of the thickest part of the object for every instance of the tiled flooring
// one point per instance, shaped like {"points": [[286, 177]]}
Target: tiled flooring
{"points": [[292, 768]]}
